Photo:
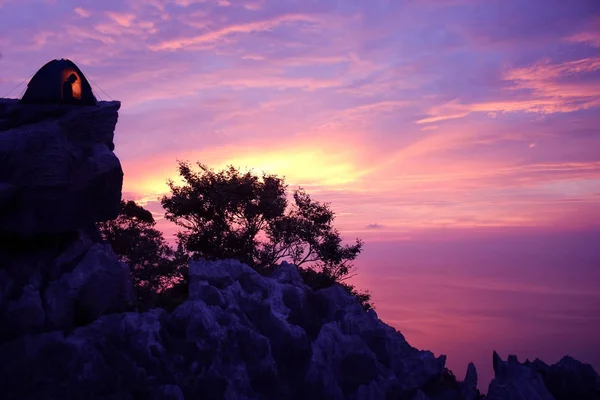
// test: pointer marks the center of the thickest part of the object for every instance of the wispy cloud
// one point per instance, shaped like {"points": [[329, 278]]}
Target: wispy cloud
{"points": [[375, 226], [82, 12], [548, 91], [212, 36], [591, 37]]}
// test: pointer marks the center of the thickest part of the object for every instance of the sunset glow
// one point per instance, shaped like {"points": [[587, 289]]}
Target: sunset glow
{"points": [[436, 129]]}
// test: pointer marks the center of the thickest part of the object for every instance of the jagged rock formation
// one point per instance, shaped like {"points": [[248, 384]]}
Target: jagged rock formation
{"points": [[568, 379], [516, 382], [468, 389], [67, 330], [241, 335]]}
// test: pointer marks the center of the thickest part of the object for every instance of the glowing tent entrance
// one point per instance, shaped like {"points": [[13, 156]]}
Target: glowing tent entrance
{"points": [[59, 82]]}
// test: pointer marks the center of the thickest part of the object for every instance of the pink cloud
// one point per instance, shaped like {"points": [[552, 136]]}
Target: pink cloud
{"points": [[549, 94], [545, 70], [82, 12], [592, 38], [122, 19], [213, 36]]}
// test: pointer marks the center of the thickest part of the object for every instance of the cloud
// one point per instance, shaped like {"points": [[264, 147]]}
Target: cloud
{"points": [[545, 70], [249, 27], [588, 33], [84, 33], [373, 108], [122, 19], [530, 24], [374, 226], [254, 5], [451, 110], [82, 12], [591, 37], [548, 92]]}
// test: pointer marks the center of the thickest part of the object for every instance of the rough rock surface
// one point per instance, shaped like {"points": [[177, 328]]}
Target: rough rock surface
{"points": [[468, 390], [58, 177], [57, 169], [43, 291], [568, 379], [513, 381], [240, 335]]}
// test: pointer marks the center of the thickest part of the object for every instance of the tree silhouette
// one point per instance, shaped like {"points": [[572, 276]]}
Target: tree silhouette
{"points": [[230, 214], [155, 266]]}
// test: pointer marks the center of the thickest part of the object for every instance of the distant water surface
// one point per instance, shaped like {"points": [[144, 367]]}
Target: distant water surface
{"points": [[467, 293]]}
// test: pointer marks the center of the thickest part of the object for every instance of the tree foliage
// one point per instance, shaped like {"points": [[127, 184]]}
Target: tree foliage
{"points": [[155, 266], [234, 214], [230, 214]]}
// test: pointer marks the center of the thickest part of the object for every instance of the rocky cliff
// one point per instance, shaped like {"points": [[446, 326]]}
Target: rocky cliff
{"points": [[57, 169], [67, 330], [58, 177]]}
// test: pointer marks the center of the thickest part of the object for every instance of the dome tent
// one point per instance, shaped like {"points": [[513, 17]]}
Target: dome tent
{"points": [[48, 85]]}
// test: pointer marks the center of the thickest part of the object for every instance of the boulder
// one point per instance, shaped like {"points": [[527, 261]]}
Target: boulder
{"points": [[287, 273], [99, 284], [75, 250], [59, 308], [40, 294], [25, 315]]}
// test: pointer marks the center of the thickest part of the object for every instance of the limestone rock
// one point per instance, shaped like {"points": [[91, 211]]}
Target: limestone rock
{"points": [[247, 337], [58, 306], [99, 284], [38, 293], [287, 273], [569, 379]]}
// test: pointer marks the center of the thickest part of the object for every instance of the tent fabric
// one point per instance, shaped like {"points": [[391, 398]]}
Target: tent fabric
{"points": [[48, 84]]}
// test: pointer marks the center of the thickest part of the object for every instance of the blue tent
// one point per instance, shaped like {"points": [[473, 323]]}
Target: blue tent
{"points": [[59, 82]]}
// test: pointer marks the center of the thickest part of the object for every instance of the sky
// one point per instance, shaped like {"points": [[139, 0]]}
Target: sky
{"points": [[460, 139]]}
